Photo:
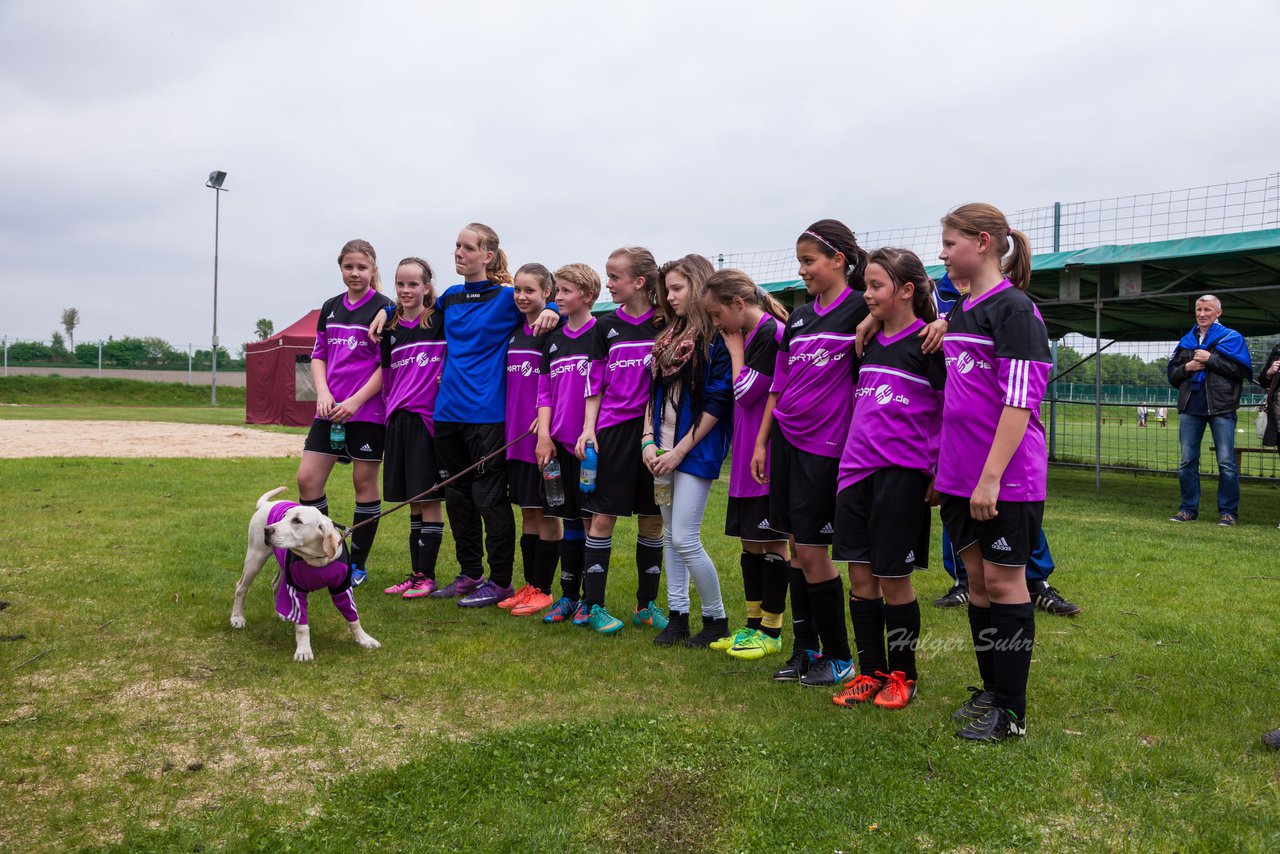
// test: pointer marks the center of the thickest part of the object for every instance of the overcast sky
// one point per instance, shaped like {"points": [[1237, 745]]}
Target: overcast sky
{"points": [[572, 128]]}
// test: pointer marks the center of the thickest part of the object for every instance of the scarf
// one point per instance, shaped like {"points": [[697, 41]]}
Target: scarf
{"points": [[1226, 342]]}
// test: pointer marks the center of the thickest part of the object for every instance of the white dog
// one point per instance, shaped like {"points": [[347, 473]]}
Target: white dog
{"points": [[311, 556]]}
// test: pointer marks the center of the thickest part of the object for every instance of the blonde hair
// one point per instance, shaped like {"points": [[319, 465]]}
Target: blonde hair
{"points": [[487, 239], [640, 264], [583, 278], [428, 298], [723, 285], [364, 247], [976, 217]]}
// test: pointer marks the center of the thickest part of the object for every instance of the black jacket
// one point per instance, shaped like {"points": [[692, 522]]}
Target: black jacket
{"points": [[1272, 406], [1222, 380]]}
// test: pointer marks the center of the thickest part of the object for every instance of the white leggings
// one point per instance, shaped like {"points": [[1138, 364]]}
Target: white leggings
{"points": [[685, 557]]}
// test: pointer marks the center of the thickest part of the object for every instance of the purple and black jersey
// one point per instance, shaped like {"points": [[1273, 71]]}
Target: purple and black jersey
{"points": [[620, 359], [750, 392], [299, 578], [997, 353], [342, 342], [814, 374], [412, 360], [566, 361], [524, 368], [897, 408]]}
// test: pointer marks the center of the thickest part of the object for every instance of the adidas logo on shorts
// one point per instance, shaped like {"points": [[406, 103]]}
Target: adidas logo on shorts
{"points": [[798, 323], [911, 557], [365, 447], [764, 525], [827, 529], [1001, 546], [613, 333]]}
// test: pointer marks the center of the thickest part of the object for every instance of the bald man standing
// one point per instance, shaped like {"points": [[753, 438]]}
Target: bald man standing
{"points": [[1208, 367]]}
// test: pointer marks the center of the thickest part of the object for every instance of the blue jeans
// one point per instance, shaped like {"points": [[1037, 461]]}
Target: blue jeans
{"points": [[1190, 433]]}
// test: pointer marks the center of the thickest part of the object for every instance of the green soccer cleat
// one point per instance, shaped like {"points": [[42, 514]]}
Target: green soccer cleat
{"points": [[650, 615], [726, 644], [756, 645], [602, 621]]}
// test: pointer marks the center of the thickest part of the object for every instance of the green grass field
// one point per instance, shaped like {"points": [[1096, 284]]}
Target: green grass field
{"points": [[134, 717]]}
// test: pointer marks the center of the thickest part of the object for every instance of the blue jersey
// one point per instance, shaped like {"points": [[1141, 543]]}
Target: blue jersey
{"points": [[478, 319]]}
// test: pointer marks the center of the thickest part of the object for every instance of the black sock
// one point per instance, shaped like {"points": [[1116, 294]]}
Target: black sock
{"points": [[429, 547], [415, 535], [773, 601], [321, 503], [362, 537], [868, 618], [827, 601], [546, 555], [1015, 634], [571, 555], [648, 570], [753, 586], [529, 557], [802, 624], [980, 630], [902, 630], [595, 576]]}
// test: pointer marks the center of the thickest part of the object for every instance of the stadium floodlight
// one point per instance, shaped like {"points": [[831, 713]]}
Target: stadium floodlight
{"points": [[215, 183]]}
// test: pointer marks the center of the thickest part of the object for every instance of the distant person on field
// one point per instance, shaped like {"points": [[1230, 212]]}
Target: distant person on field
{"points": [[1270, 380], [1208, 367], [1162, 415], [1142, 415]]}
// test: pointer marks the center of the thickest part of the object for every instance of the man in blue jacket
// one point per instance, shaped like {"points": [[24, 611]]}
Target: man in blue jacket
{"points": [[1208, 367]]}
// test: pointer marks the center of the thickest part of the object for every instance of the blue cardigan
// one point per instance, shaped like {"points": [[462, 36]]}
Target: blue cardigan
{"points": [[708, 455]]}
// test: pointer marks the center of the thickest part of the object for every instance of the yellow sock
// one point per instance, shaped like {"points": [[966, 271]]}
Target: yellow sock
{"points": [[770, 621]]}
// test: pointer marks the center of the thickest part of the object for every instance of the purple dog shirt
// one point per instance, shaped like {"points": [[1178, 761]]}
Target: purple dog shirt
{"points": [[300, 578]]}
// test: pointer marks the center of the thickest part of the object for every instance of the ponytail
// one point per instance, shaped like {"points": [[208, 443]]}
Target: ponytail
{"points": [[497, 270], [976, 217], [832, 236]]}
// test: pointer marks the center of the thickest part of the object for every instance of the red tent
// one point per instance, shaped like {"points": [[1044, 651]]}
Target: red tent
{"points": [[278, 376]]}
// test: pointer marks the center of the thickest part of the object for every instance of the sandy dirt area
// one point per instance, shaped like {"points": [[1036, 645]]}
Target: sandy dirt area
{"points": [[140, 439]]}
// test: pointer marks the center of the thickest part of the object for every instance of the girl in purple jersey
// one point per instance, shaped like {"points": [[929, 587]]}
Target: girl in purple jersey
{"points": [[562, 389], [348, 379], [413, 352], [889, 459], [688, 415], [617, 395], [751, 321], [540, 534], [992, 464], [801, 436]]}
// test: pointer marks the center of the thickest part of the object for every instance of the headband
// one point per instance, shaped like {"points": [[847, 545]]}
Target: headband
{"points": [[822, 240]]}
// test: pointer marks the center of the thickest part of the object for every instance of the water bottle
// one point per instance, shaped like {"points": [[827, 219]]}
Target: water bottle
{"points": [[662, 486], [337, 435], [552, 485], [587, 472]]}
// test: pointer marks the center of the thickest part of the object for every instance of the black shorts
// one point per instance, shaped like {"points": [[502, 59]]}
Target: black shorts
{"points": [[1006, 540], [879, 521], [409, 467], [748, 520], [624, 485], [364, 441], [525, 481], [569, 470], [802, 492]]}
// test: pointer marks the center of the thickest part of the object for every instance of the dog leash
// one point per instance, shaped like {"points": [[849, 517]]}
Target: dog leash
{"points": [[346, 532]]}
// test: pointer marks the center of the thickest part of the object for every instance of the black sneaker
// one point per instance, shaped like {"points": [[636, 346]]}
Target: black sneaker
{"points": [[797, 665], [827, 672], [1272, 739], [677, 630], [976, 706], [994, 725], [712, 631], [1050, 601], [953, 598]]}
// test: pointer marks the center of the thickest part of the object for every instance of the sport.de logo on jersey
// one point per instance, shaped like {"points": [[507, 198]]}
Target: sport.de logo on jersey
{"points": [[350, 342], [883, 394], [524, 369], [964, 363], [631, 363], [818, 358]]}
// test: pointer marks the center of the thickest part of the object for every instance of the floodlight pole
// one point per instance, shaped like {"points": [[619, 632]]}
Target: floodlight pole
{"points": [[215, 183]]}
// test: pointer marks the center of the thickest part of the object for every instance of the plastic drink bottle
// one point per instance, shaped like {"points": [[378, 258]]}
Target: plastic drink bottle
{"points": [[587, 472], [552, 485], [662, 487], [337, 435]]}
